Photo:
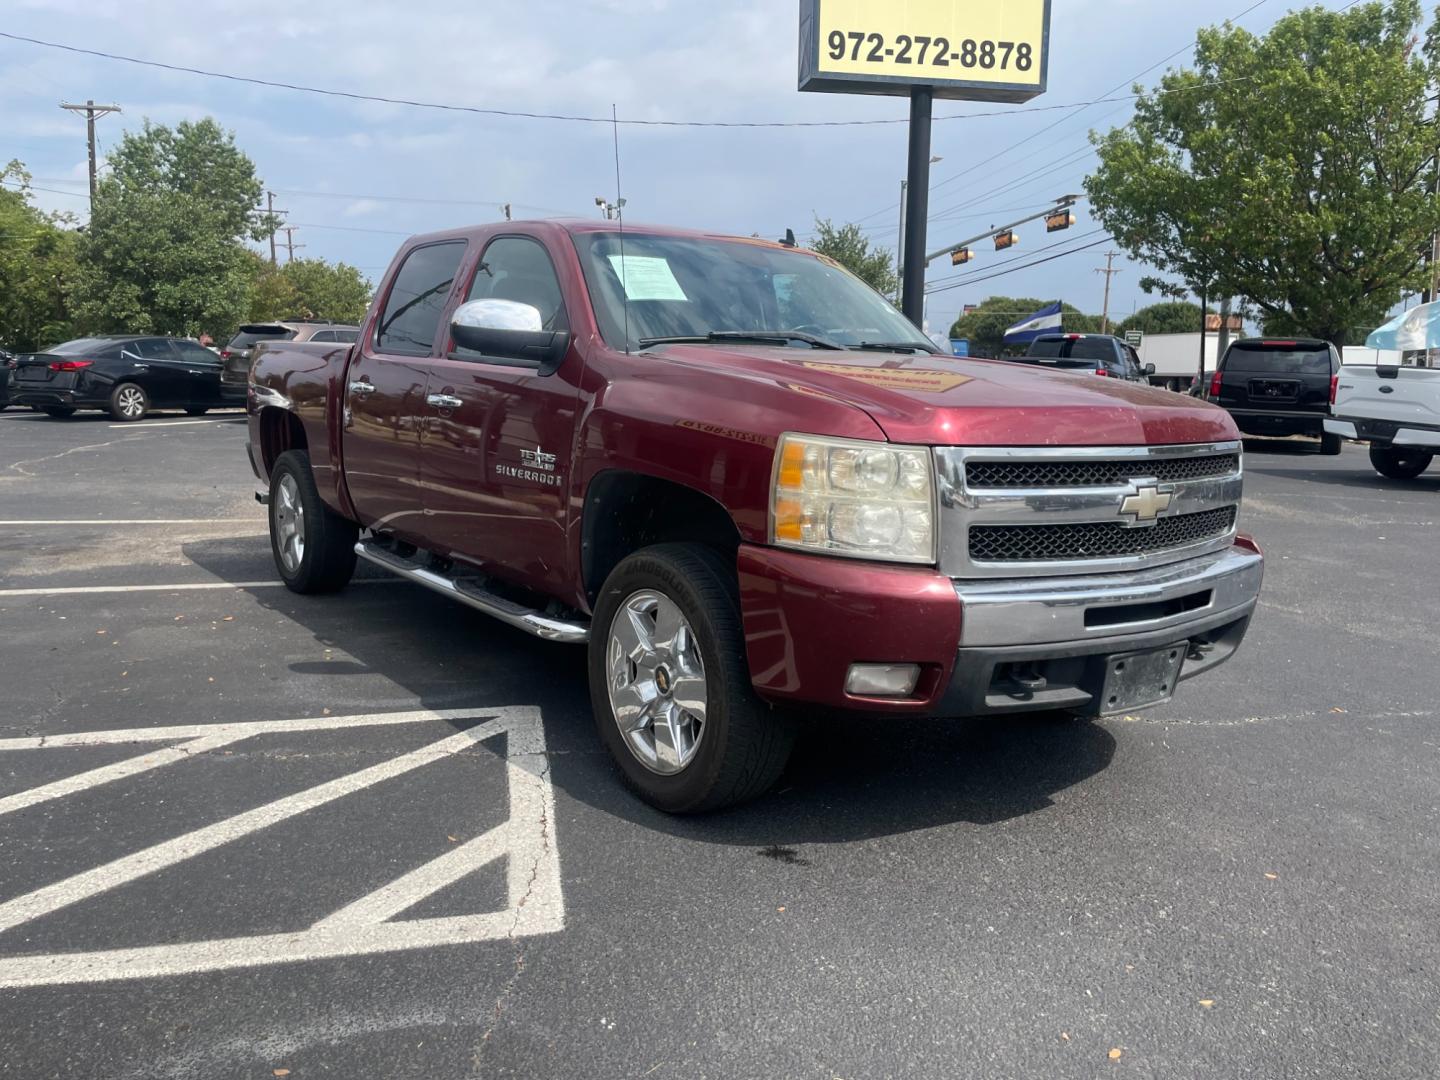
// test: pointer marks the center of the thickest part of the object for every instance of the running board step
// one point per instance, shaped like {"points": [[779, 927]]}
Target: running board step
{"points": [[472, 594]]}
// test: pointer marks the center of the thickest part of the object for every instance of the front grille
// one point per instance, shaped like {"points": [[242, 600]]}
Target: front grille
{"points": [[1095, 540], [1100, 473]]}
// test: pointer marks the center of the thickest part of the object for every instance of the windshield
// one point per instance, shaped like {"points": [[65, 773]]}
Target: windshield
{"points": [[694, 287]]}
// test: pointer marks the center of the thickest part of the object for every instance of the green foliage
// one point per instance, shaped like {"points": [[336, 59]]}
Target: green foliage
{"points": [[309, 289], [165, 250], [1174, 317], [1295, 170], [985, 326], [37, 268], [848, 246]]}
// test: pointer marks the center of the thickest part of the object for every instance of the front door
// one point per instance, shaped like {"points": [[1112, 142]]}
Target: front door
{"points": [[202, 369], [499, 435], [384, 394]]}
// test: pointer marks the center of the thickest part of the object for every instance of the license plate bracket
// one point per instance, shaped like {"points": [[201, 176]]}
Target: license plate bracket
{"points": [[1136, 680]]}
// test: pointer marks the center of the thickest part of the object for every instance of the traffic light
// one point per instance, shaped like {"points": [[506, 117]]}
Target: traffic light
{"points": [[961, 257], [1007, 240], [1059, 221]]}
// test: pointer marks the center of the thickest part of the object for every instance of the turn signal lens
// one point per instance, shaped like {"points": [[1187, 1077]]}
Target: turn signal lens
{"points": [[865, 500], [1216, 382], [1334, 388]]}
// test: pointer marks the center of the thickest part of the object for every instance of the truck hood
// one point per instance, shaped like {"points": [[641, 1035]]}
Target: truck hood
{"points": [[949, 401]]}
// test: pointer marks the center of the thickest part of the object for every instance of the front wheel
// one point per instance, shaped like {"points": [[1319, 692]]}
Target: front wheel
{"points": [[128, 401], [314, 547], [1400, 462], [670, 686]]}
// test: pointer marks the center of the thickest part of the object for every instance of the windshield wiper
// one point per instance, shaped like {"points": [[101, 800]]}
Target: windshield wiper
{"points": [[780, 336], [896, 346]]}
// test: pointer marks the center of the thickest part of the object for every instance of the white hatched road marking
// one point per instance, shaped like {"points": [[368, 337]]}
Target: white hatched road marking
{"points": [[535, 904], [153, 424]]}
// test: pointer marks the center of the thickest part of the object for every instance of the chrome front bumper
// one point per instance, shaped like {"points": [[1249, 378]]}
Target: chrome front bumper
{"points": [[1040, 644]]}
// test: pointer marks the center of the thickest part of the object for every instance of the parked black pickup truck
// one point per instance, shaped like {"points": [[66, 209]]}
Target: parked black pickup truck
{"points": [[1278, 387]]}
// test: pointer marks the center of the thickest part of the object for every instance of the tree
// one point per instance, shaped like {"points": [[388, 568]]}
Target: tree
{"points": [[165, 249], [1174, 317], [985, 326], [308, 289], [37, 268], [1296, 170], [848, 246]]}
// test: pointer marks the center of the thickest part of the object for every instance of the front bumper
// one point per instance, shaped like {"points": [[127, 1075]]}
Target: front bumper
{"points": [[1384, 432], [984, 646]]}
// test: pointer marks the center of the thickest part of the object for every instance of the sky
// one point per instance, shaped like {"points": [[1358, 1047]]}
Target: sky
{"points": [[356, 177]]}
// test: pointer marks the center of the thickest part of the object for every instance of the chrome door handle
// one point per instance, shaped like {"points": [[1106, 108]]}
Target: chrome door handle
{"points": [[361, 389], [444, 401]]}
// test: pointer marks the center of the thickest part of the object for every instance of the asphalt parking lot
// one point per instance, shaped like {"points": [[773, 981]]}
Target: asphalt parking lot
{"points": [[249, 834]]}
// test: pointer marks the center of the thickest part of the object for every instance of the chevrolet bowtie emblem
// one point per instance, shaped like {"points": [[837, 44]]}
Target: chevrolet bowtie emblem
{"points": [[1147, 504]]}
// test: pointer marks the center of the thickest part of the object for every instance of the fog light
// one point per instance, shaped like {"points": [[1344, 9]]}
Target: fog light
{"points": [[882, 680]]}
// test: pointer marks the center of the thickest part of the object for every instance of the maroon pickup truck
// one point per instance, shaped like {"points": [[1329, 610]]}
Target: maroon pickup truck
{"points": [[749, 484]]}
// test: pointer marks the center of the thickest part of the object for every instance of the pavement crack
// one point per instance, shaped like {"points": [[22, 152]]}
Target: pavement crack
{"points": [[19, 466]]}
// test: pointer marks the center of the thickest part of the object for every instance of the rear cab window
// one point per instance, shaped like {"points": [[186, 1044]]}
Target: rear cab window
{"points": [[249, 335], [1279, 358]]}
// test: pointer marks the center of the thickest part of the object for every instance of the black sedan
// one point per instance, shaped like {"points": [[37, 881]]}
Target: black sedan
{"points": [[125, 375], [7, 368]]}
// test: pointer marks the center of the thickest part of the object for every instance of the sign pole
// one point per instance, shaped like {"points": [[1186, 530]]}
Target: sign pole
{"points": [[917, 209]]}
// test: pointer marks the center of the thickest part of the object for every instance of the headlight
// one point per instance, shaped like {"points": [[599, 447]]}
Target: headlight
{"points": [[866, 500]]}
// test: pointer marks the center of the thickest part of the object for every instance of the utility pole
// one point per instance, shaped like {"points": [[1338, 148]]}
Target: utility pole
{"points": [[290, 245], [91, 111], [1109, 271], [270, 209], [506, 209]]}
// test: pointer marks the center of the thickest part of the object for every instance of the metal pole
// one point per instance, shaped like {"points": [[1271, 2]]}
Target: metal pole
{"points": [[922, 101], [900, 247]]}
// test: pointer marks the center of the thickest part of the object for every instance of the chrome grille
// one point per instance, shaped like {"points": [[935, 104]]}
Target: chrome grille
{"points": [[1096, 539], [1038, 474], [1036, 511]]}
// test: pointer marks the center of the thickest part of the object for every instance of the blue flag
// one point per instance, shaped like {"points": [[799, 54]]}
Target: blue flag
{"points": [[1044, 321]]}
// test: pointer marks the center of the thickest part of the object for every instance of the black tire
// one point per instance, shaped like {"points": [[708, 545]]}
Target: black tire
{"points": [[128, 402], [1400, 462], [197, 410], [58, 412], [1331, 444], [744, 743], [325, 560]]}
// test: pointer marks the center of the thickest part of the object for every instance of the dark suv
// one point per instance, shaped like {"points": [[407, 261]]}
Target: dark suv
{"points": [[236, 373], [1281, 388], [1099, 354]]}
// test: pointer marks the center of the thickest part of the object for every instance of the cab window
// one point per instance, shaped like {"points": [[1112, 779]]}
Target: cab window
{"points": [[411, 318], [519, 269]]}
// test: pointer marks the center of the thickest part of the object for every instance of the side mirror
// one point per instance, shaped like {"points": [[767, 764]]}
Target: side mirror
{"points": [[508, 330], [1149, 369]]}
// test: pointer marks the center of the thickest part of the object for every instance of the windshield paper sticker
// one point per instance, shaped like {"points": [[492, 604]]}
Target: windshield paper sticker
{"points": [[647, 277]]}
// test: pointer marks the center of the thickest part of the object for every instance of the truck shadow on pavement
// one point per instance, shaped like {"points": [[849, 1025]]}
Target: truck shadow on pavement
{"points": [[849, 779]]}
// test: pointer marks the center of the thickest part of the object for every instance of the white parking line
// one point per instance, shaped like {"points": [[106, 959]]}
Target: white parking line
{"points": [[135, 521], [194, 586], [534, 903], [178, 423]]}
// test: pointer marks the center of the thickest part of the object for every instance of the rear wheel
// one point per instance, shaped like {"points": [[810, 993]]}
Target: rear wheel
{"points": [[670, 687], [1330, 444], [128, 401], [1400, 462], [314, 547], [58, 412]]}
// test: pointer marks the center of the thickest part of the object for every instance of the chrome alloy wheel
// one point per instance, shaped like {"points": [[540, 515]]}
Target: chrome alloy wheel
{"points": [[287, 512], [131, 401], [656, 681]]}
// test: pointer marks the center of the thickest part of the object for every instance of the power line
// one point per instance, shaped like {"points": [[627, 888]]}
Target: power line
{"points": [[1027, 266], [573, 118]]}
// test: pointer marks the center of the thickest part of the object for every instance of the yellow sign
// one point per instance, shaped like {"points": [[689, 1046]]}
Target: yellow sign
{"points": [[916, 380], [989, 50]]}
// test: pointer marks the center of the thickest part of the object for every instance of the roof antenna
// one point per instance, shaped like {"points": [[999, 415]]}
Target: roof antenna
{"points": [[789, 240], [620, 214]]}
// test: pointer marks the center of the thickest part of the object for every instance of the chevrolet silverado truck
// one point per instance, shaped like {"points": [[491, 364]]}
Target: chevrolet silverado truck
{"points": [[752, 489], [1395, 409]]}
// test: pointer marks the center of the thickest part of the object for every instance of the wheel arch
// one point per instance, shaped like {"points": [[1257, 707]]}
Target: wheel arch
{"points": [[280, 430], [627, 510]]}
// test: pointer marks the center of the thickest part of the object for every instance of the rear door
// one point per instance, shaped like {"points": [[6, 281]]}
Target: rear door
{"points": [[384, 393], [155, 365], [498, 434], [1277, 375]]}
